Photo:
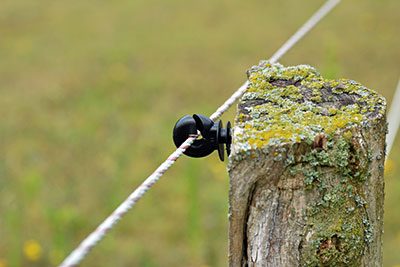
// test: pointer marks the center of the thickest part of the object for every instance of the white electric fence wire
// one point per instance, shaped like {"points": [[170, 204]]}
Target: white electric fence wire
{"points": [[393, 120], [89, 242]]}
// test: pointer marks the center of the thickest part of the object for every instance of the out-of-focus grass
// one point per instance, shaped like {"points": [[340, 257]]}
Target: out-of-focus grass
{"points": [[89, 92]]}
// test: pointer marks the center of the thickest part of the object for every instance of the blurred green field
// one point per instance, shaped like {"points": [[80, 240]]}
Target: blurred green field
{"points": [[90, 91]]}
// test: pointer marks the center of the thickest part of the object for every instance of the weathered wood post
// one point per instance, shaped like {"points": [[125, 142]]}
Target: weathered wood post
{"points": [[306, 171]]}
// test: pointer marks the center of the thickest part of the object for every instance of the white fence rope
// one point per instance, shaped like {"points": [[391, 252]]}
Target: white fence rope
{"points": [[393, 120], [89, 242], [83, 249]]}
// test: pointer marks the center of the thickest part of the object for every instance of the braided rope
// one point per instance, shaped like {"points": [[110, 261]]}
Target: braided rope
{"points": [[87, 244], [83, 249]]}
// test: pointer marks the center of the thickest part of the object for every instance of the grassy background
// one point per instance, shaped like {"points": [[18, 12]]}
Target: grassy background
{"points": [[89, 93]]}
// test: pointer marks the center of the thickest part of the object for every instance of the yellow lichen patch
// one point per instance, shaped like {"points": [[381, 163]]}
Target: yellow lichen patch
{"points": [[291, 91], [262, 138], [332, 111], [347, 135]]}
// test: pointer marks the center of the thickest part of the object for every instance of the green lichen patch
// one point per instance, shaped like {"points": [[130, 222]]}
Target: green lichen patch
{"points": [[294, 104], [337, 229]]}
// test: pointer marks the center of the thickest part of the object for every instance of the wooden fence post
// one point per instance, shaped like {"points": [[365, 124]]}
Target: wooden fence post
{"points": [[306, 171]]}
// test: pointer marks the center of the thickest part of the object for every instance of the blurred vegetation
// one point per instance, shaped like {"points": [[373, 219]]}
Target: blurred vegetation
{"points": [[89, 93]]}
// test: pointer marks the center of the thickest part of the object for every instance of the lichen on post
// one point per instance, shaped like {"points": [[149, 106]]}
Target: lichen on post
{"points": [[306, 171]]}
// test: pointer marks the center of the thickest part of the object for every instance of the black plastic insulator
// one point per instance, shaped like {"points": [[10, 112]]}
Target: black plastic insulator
{"points": [[213, 136]]}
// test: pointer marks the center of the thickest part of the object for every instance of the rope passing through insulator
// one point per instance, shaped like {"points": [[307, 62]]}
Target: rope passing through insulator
{"points": [[213, 136]]}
